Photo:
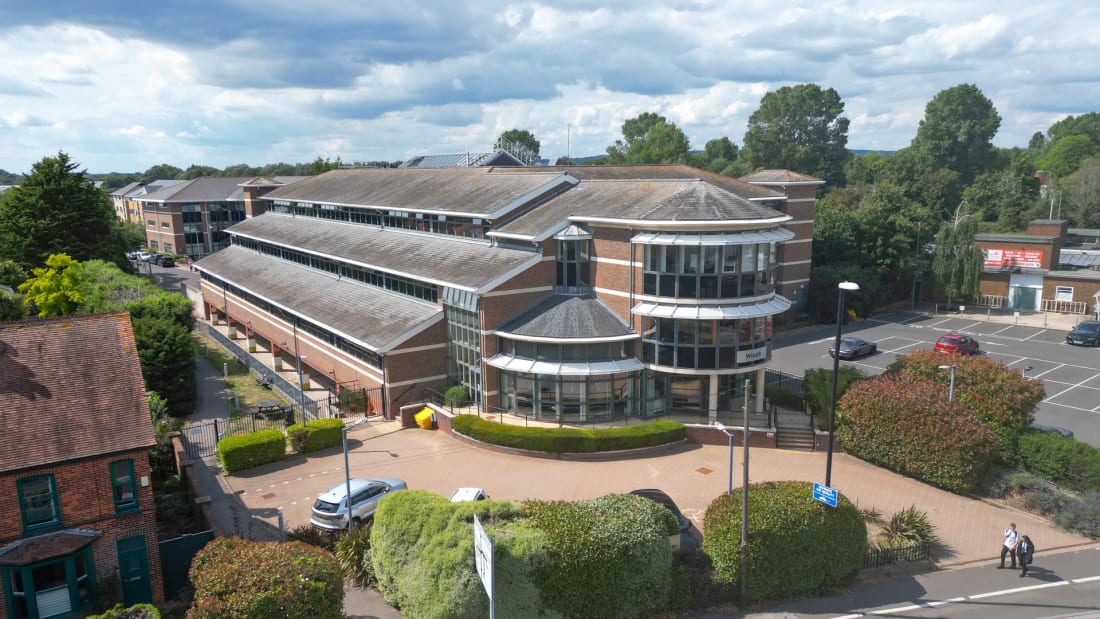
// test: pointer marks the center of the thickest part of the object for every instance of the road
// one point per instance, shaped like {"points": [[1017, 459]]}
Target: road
{"points": [[1071, 374], [1058, 585]]}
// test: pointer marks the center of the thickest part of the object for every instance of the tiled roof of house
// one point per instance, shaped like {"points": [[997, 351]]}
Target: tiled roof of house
{"points": [[205, 189], [671, 201], [445, 260], [473, 192], [70, 388], [375, 317], [122, 191], [780, 176], [567, 316]]}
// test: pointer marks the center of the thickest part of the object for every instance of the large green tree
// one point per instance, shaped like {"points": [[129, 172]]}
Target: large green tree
{"points": [[1080, 196], [957, 131], [1006, 195], [162, 171], [522, 137], [800, 128], [54, 290], [957, 261], [649, 138], [1085, 124], [59, 210], [1066, 154]]}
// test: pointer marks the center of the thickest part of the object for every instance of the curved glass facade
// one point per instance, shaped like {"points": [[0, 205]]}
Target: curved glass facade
{"points": [[708, 271], [706, 344]]}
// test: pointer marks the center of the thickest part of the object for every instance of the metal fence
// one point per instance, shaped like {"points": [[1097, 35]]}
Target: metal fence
{"points": [[880, 557], [200, 440], [175, 560], [788, 382]]}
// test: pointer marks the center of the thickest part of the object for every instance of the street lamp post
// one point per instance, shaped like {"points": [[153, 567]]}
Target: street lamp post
{"points": [[841, 287], [347, 471], [951, 388], [729, 433], [744, 485]]}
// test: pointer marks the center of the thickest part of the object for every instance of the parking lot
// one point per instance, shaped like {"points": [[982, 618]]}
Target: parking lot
{"points": [[1071, 374]]}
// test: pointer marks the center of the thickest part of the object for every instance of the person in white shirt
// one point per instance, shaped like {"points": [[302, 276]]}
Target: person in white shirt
{"points": [[1012, 537]]}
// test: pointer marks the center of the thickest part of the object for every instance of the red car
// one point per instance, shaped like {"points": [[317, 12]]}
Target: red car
{"points": [[956, 343]]}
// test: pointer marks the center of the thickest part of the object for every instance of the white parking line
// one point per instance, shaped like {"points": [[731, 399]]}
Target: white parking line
{"points": [[1033, 335], [939, 323], [999, 330], [1068, 388]]}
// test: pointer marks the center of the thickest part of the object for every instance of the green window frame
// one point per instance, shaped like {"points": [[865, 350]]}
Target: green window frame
{"points": [[38, 502], [123, 486]]}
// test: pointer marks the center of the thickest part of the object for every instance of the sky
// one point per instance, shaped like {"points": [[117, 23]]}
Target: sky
{"points": [[122, 85]]}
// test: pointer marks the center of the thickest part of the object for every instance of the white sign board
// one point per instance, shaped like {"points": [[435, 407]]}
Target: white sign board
{"points": [[483, 557]]}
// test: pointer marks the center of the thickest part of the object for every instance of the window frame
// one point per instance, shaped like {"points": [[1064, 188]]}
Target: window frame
{"points": [[55, 521], [121, 505]]}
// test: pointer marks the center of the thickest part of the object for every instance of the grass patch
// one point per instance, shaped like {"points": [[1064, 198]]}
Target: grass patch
{"points": [[240, 383]]}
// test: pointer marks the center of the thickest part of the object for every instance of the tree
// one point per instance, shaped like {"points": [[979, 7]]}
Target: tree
{"points": [[54, 290], [243, 169], [649, 138], [1065, 155], [957, 261], [800, 128], [57, 210], [1085, 124], [521, 137], [199, 171], [718, 154], [1007, 194], [957, 131], [161, 171], [1081, 193]]}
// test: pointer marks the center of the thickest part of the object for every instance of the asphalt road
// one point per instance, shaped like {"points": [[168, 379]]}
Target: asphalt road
{"points": [[1057, 585], [1071, 374]]}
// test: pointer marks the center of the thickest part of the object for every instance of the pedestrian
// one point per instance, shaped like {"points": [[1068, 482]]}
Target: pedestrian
{"points": [[1012, 537], [1025, 551]]}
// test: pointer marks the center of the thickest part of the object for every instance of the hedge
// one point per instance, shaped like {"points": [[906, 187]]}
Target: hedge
{"points": [[569, 440], [798, 547], [1065, 461], [237, 578], [316, 435], [245, 451], [137, 611]]}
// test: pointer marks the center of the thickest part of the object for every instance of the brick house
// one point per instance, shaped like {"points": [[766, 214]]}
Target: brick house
{"points": [[76, 504], [565, 293]]}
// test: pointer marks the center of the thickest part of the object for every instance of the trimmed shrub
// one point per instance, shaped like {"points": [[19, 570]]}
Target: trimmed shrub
{"points": [[797, 546], [569, 440], [239, 579], [137, 611], [609, 556], [315, 435], [245, 451], [456, 396], [905, 424], [422, 552], [1064, 461]]}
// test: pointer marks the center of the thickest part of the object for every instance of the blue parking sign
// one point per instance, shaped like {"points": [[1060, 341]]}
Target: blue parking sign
{"points": [[824, 494]]}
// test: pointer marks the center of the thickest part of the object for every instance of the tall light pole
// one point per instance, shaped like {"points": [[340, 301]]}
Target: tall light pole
{"points": [[744, 485], [347, 471], [841, 287], [951, 388], [729, 433]]}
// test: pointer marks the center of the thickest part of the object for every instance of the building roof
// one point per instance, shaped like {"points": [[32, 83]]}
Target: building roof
{"points": [[463, 160], [445, 260], [70, 388], [781, 177], [38, 548], [683, 202], [122, 191], [561, 316], [374, 317], [660, 172], [469, 192], [205, 189], [989, 237]]}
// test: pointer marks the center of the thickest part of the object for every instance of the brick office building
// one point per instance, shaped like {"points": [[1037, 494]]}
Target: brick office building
{"points": [[565, 293], [76, 504]]}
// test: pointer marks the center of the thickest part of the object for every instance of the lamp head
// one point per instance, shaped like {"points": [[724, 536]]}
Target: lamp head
{"points": [[718, 425], [945, 367], [849, 286]]}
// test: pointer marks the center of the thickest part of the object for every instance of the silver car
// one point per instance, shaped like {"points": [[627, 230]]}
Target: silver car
{"points": [[330, 511]]}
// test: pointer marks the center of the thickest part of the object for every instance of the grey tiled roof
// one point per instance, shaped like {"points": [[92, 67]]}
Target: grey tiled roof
{"points": [[567, 316], [70, 388], [471, 191], [462, 160], [660, 172], [451, 261], [206, 189], [122, 191], [676, 200], [375, 317], [780, 176]]}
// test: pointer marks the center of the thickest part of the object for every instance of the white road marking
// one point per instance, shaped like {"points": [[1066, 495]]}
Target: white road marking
{"points": [[999, 330], [1068, 388], [978, 596], [1033, 335]]}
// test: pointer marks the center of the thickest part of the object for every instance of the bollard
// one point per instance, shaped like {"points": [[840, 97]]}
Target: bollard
{"points": [[225, 370], [282, 529]]}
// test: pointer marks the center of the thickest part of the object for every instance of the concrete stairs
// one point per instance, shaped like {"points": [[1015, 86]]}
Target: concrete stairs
{"points": [[793, 431]]}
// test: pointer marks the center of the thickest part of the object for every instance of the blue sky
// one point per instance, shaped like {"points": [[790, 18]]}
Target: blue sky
{"points": [[122, 85]]}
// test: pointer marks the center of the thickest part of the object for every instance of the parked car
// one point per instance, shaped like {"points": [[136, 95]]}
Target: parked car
{"points": [[167, 261], [1085, 334], [144, 256], [468, 494], [688, 538], [957, 344], [330, 511], [852, 347]]}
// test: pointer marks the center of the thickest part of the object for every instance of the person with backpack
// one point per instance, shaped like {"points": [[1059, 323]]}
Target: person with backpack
{"points": [[1025, 552]]}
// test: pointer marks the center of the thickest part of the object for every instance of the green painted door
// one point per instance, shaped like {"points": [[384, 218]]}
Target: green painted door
{"points": [[133, 570]]}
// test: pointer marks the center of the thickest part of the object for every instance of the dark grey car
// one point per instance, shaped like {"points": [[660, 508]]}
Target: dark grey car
{"points": [[1085, 334]]}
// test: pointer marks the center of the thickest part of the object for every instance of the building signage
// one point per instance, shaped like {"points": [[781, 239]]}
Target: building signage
{"points": [[483, 558], [1025, 258], [753, 354]]}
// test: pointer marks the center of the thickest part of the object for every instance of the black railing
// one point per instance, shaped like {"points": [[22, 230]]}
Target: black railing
{"points": [[788, 382], [879, 557]]}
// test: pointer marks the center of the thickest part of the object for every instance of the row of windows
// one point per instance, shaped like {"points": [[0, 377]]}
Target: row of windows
{"points": [[463, 346], [573, 269], [435, 224], [553, 352], [378, 279], [709, 272], [706, 344], [38, 502], [369, 357]]}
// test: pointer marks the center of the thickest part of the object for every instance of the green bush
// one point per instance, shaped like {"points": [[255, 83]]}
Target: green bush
{"points": [[422, 551], [1081, 515], [797, 546], [906, 527], [1064, 461], [818, 385], [309, 534], [316, 435], [239, 579], [456, 396], [137, 611], [609, 556], [245, 451], [353, 555], [569, 440]]}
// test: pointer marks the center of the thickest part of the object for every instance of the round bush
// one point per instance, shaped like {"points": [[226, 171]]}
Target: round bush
{"points": [[797, 546]]}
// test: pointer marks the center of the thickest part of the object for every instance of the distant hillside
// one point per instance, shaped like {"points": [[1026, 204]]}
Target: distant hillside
{"points": [[862, 151]]}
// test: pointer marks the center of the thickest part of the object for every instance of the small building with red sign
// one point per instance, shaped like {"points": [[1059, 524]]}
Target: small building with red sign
{"points": [[1046, 269]]}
